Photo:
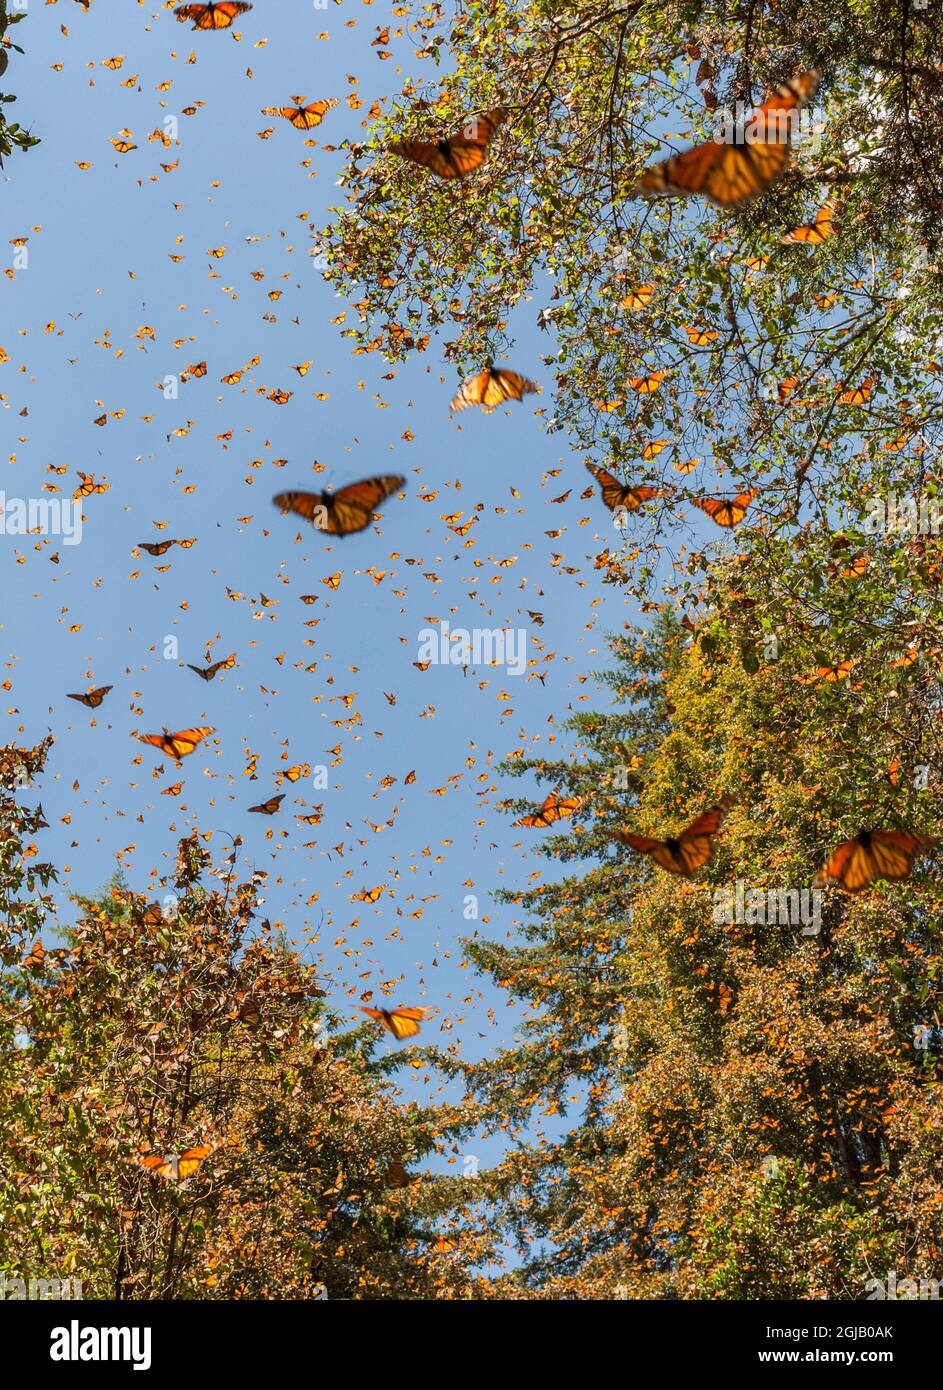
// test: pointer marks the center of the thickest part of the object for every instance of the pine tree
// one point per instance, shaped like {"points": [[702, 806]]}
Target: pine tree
{"points": [[718, 1093]]}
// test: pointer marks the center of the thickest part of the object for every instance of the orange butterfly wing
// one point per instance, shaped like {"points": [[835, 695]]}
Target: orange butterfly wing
{"points": [[401, 1022], [695, 845], [346, 511], [689, 851], [490, 388], [732, 173], [174, 1166], [179, 745], [616, 494], [815, 232], [553, 809], [219, 15], [303, 117], [858, 394], [461, 154], [871, 855], [190, 1160], [643, 844], [158, 1165], [94, 697], [637, 299], [352, 507], [726, 512], [404, 1023]]}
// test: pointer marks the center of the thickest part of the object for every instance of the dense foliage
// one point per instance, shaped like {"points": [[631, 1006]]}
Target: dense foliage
{"points": [[163, 1027]]}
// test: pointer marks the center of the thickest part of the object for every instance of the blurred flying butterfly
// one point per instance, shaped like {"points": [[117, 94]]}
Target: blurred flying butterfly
{"points": [[401, 1022], [553, 809], [686, 853], [94, 697], [725, 511], [733, 171], [216, 14], [491, 388], [346, 511], [179, 745], [268, 808], [459, 155], [622, 495], [871, 855]]}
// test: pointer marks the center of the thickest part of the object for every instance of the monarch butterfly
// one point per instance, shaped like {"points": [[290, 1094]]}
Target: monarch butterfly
{"points": [[490, 388], [871, 855], [459, 155], [88, 485], [731, 172], [176, 1166], [637, 299], [156, 547], [402, 1023], [250, 1012], [396, 1175], [301, 116], [369, 895], [94, 697], [616, 494], [268, 808], [815, 232], [208, 673], [346, 511], [692, 848], [701, 337], [726, 512], [847, 565], [176, 746], [858, 394], [553, 809], [216, 14], [645, 385], [829, 675]]}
